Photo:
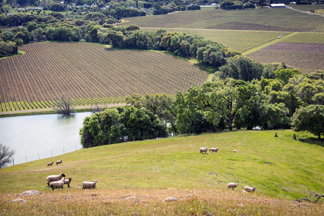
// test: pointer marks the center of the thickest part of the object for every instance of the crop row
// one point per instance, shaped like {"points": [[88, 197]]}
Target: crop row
{"points": [[89, 74], [261, 19]]}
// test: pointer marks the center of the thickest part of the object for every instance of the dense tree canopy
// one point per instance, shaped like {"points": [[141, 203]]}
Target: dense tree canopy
{"points": [[310, 119], [121, 125]]}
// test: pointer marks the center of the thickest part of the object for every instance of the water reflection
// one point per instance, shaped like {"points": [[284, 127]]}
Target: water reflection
{"points": [[42, 135]]}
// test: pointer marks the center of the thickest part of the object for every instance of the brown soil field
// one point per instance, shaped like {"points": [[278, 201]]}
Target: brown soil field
{"points": [[85, 71], [306, 57]]}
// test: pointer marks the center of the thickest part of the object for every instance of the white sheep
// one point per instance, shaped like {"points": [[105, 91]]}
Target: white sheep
{"points": [[232, 185], [58, 162], [68, 181], [57, 184], [249, 189], [234, 151], [213, 150], [203, 149], [52, 178], [50, 164], [89, 185]]}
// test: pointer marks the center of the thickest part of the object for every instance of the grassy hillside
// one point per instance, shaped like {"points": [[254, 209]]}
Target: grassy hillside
{"points": [[89, 73], [137, 174], [279, 167], [279, 19]]}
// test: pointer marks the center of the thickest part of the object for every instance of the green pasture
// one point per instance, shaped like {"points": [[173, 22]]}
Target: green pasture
{"points": [[264, 19], [277, 166], [240, 40]]}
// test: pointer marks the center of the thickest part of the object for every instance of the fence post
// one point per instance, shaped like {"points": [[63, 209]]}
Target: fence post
{"points": [[63, 151], [13, 162], [26, 158]]}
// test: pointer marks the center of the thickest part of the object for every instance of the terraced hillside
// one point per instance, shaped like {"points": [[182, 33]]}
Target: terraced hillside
{"points": [[89, 73]]}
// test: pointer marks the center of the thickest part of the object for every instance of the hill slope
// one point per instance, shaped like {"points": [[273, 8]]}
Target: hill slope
{"points": [[134, 177], [280, 167]]}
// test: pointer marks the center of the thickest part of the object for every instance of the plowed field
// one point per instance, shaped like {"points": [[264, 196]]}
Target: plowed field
{"points": [[89, 74]]}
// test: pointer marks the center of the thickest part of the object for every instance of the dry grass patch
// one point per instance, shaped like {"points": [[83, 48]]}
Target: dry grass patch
{"points": [[150, 202]]}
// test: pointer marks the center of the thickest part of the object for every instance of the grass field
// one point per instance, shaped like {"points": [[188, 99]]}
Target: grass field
{"points": [[259, 19], [89, 73], [305, 57], [235, 39], [281, 169]]}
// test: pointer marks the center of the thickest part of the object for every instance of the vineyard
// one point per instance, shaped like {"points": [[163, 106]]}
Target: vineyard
{"points": [[240, 40], [89, 74], [259, 19], [305, 57], [305, 37]]}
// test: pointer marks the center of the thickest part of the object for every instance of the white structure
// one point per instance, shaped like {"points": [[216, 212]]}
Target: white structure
{"points": [[278, 5]]}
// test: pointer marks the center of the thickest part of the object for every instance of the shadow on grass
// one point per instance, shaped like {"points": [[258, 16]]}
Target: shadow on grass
{"points": [[312, 140]]}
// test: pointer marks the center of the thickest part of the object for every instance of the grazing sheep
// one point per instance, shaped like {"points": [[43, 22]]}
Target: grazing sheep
{"points": [[57, 184], [50, 164], [234, 151], [213, 150], [52, 178], [203, 149], [249, 189], [232, 185], [58, 162], [68, 181], [89, 185]]}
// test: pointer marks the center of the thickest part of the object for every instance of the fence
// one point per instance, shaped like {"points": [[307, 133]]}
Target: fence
{"points": [[43, 154]]}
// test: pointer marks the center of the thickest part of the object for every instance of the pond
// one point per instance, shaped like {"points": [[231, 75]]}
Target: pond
{"points": [[41, 136]]}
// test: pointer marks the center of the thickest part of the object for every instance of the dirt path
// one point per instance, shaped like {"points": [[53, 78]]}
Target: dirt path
{"points": [[306, 12], [49, 109]]}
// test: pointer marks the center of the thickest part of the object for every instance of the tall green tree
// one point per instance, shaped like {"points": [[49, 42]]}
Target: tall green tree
{"points": [[310, 119]]}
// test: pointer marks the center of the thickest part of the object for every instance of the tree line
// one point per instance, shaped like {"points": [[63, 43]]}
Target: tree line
{"points": [[290, 99]]}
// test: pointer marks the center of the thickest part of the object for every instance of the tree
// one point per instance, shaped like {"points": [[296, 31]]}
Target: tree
{"points": [[5, 155], [63, 105], [285, 74], [310, 119]]}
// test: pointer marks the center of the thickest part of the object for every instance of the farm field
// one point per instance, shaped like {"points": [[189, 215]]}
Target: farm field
{"points": [[239, 40], [305, 37], [89, 74], [259, 19], [137, 176], [305, 57], [308, 7]]}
